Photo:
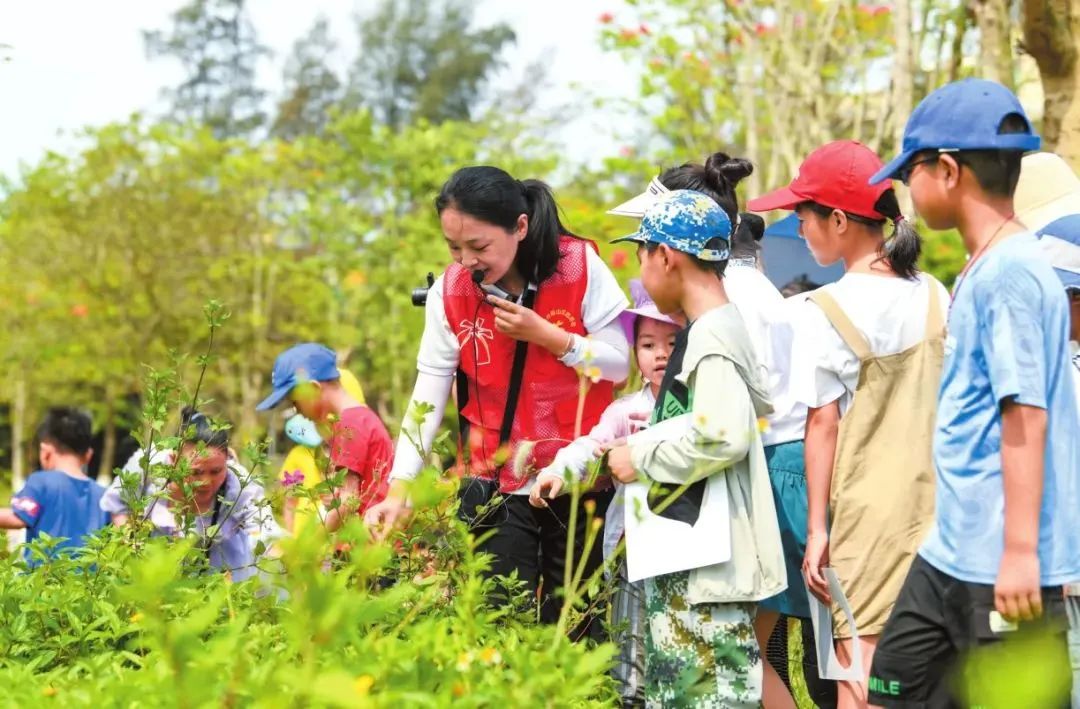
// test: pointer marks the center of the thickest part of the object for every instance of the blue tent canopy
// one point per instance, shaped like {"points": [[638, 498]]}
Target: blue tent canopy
{"points": [[787, 257]]}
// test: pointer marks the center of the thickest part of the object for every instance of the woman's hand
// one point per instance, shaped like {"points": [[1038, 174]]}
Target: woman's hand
{"points": [[526, 325], [384, 516], [548, 486]]}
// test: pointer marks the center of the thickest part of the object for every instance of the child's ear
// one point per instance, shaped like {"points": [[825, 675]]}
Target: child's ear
{"points": [[949, 170], [667, 256], [840, 220]]}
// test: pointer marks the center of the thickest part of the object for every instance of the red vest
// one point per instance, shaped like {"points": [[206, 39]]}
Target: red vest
{"points": [[547, 406]]}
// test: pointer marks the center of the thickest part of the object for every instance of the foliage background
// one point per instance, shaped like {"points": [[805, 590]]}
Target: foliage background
{"points": [[306, 206]]}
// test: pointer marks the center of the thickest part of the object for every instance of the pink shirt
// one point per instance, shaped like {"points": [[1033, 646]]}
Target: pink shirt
{"points": [[614, 423]]}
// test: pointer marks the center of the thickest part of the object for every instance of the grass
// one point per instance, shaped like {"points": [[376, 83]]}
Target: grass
{"points": [[795, 655]]}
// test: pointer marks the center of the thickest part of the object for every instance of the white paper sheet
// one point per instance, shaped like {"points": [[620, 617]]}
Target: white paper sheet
{"points": [[658, 545], [829, 666]]}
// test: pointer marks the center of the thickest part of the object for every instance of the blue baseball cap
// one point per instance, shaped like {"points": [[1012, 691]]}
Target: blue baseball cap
{"points": [[963, 115], [306, 362], [686, 221]]}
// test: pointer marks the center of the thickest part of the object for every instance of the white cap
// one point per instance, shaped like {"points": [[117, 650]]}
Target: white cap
{"points": [[636, 207], [1047, 191]]}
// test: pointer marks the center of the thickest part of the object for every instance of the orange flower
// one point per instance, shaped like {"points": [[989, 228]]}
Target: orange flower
{"points": [[80, 310], [618, 259]]}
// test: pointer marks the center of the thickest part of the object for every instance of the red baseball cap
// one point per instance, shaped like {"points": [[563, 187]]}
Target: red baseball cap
{"points": [[835, 175]]}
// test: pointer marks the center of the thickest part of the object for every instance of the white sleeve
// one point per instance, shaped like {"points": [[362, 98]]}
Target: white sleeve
{"points": [[606, 349], [439, 351], [604, 298], [431, 389], [819, 358]]}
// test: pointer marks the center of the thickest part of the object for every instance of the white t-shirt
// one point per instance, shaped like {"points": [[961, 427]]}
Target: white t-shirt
{"points": [[766, 315], [889, 312], [439, 348]]}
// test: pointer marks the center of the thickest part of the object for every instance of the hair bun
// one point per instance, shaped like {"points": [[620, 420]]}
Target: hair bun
{"points": [[751, 225], [721, 166]]}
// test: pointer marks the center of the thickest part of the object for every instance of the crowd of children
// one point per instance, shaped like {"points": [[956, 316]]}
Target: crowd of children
{"points": [[914, 450]]}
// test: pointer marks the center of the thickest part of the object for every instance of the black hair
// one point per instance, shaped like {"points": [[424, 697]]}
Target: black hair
{"points": [[69, 429], [799, 284], [491, 195], [903, 247], [717, 179], [997, 171], [196, 428], [715, 267], [746, 241]]}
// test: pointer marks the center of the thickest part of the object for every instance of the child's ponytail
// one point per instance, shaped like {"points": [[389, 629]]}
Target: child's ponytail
{"points": [[904, 246]]}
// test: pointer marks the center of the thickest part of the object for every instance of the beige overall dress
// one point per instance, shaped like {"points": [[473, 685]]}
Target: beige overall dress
{"points": [[882, 496]]}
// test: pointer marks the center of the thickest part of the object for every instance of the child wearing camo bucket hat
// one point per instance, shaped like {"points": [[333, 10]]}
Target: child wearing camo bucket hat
{"points": [[653, 337], [700, 645]]}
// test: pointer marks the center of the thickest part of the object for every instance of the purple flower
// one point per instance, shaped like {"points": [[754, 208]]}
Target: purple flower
{"points": [[291, 479]]}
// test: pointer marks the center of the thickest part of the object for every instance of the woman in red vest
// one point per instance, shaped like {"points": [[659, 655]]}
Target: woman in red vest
{"points": [[556, 313]]}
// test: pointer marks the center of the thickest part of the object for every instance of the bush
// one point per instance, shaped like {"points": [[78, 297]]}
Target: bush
{"points": [[125, 623]]}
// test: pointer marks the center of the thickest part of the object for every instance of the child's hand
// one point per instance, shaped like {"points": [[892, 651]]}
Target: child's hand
{"points": [[815, 560], [1017, 594], [618, 461], [602, 449], [639, 420], [547, 485]]}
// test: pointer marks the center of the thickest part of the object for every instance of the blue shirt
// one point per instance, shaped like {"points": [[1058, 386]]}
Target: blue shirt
{"points": [[61, 506], [1008, 340]]}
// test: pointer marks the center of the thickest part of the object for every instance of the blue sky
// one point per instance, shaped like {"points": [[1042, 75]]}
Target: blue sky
{"points": [[74, 63]]}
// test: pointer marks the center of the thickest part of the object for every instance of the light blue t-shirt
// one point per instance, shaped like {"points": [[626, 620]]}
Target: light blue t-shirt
{"points": [[1008, 340]]}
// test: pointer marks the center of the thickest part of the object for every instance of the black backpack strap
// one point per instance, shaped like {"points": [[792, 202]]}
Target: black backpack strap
{"points": [[517, 371]]}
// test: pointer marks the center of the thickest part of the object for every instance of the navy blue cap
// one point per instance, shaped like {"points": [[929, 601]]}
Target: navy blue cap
{"points": [[306, 362], [963, 115], [686, 221]]}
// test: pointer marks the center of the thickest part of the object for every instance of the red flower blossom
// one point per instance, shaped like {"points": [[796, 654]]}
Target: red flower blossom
{"points": [[618, 260], [644, 29], [606, 18], [80, 310]]}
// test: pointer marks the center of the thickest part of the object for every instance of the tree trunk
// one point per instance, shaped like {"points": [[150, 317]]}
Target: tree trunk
{"points": [[18, 428], [995, 40], [903, 84], [1051, 31], [108, 443]]}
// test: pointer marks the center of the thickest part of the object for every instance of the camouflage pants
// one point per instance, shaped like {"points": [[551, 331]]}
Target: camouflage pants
{"points": [[703, 655]]}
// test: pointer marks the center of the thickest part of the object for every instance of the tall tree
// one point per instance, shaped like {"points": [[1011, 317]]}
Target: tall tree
{"points": [[994, 21], [1051, 35], [311, 86], [423, 59], [215, 42]]}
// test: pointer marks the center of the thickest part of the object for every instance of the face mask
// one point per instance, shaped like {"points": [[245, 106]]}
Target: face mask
{"points": [[301, 431]]}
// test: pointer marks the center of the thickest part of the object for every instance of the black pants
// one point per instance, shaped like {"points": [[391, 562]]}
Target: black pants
{"points": [[937, 620], [533, 543]]}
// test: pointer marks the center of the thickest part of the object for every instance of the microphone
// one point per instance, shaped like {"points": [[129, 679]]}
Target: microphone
{"points": [[477, 276]]}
